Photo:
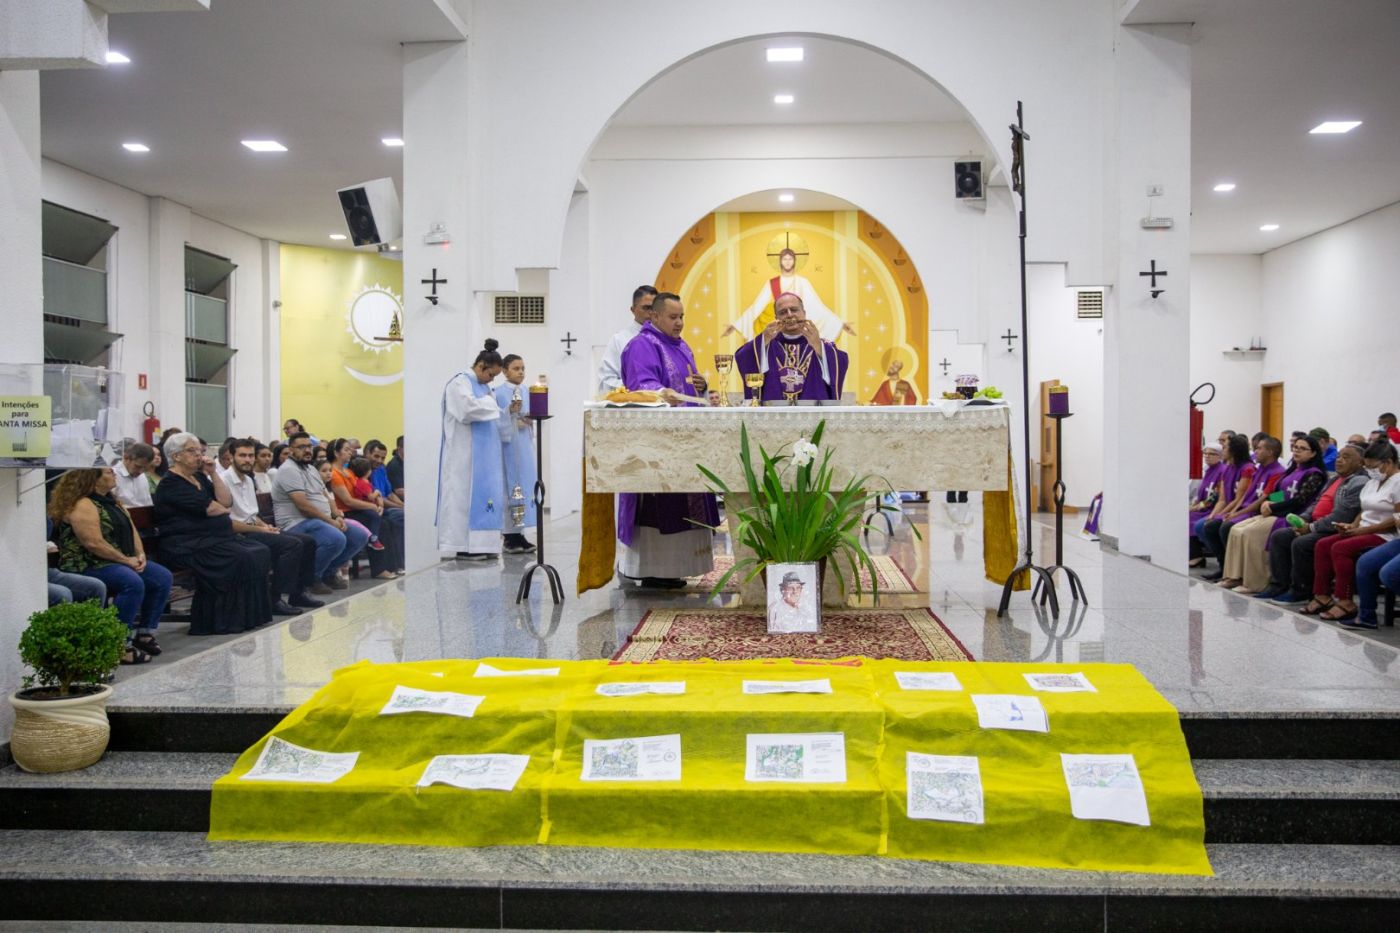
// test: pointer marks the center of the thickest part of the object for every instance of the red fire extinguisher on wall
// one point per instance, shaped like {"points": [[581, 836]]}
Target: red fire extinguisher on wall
{"points": [[1198, 427], [150, 428]]}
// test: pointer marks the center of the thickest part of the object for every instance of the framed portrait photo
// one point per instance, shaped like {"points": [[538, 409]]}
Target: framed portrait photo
{"points": [[794, 598]]}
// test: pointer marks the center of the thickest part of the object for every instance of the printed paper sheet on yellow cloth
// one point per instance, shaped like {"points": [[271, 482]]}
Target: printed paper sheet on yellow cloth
{"points": [[1028, 819]]}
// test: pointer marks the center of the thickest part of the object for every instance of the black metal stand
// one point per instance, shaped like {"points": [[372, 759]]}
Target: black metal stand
{"points": [[1045, 585], [556, 589], [1018, 184]]}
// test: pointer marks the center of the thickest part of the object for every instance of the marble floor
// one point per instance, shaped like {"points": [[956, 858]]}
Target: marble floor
{"points": [[1206, 649]]}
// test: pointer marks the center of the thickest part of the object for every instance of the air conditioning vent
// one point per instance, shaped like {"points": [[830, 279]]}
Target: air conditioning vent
{"points": [[1091, 304], [519, 309]]}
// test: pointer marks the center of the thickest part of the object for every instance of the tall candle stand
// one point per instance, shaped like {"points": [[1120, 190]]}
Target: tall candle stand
{"points": [[556, 589], [1045, 584]]}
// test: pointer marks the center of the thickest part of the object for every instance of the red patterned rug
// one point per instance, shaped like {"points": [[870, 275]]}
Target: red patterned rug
{"points": [[892, 577], [734, 634]]}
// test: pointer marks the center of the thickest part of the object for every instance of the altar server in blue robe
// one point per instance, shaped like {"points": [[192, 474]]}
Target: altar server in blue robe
{"points": [[518, 448], [471, 498]]}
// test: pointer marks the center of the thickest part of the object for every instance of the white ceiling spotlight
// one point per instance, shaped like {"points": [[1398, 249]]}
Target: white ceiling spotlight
{"points": [[1268, 228], [136, 147], [783, 98], [393, 142], [1335, 126], [117, 58], [264, 145], [337, 236], [785, 53], [785, 197], [1224, 186]]}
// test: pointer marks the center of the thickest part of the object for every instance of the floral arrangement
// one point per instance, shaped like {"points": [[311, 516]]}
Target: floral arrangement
{"points": [[795, 516]]}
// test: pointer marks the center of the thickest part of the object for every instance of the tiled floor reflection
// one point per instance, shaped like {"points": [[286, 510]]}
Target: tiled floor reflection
{"points": [[1204, 648]]}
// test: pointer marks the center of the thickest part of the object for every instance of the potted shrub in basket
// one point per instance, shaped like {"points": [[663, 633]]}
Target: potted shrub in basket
{"points": [[61, 716], [796, 514]]}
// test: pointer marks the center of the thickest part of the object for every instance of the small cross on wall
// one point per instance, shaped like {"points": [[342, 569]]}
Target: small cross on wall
{"points": [[945, 364], [568, 340], [1008, 337], [434, 281], [1152, 272]]}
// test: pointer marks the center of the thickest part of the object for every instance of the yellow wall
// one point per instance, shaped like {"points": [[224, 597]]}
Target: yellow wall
{"points": [[338, 378], [856, 267]]}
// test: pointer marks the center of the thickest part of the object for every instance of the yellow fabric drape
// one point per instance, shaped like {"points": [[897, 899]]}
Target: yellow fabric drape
{"points": [[1027, 821], [999, 547], [598, 554]]}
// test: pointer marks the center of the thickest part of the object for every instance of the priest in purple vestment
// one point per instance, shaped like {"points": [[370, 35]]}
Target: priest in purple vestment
{"points": [[795, 362], [661, 542]]}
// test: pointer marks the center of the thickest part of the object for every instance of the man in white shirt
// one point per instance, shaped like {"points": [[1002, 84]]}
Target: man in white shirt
{"points": [[610, 370], [293, 556], [133, 485]]}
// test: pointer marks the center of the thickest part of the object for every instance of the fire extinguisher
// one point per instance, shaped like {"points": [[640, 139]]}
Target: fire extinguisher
{"points": [[1198, 428], [150, 428]]}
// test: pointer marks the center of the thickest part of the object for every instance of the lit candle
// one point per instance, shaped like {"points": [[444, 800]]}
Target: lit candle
{"points": [[539, 399]]}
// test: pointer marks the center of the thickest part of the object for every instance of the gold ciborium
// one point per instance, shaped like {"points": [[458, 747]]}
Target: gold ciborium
{"points": [[755, 383], [724, 365]]}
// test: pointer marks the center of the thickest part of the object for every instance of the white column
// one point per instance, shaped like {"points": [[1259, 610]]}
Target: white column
{"points": [[1147, 340], [441, 340], [22, 521], [170, 230], [270, 417]]}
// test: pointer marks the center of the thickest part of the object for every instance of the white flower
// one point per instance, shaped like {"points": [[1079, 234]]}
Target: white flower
{"points": [[802, 452]]}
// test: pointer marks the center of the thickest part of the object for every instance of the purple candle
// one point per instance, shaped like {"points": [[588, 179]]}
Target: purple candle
{"points": [[1059, 400], [539, 399]]}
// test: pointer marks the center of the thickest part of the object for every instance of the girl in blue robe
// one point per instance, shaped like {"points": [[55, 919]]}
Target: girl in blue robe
{"points": [[518, 450]]}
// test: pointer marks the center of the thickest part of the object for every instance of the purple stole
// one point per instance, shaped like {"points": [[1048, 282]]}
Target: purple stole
{"points": [[793, 369], [1262, 477], [1213, 476], [1297, 477]]}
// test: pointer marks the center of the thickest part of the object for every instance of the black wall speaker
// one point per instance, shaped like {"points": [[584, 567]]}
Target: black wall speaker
{"points": [[967, 181], [372, 212]]}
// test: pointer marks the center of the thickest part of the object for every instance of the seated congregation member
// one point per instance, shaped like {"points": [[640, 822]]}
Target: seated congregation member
{"points": [[1291, 548], [363, 510], [280, 452], [1206, 498], [795, 361], [196, 533], [1386, 422], [292, 556], [1329, 448], [262, 466], [225, 458], [663, 535], [376, 452], [71, 587], [1214, 533], [1378, 566], [388, 558], [96, 538], [1246, 554], [518, 449], [1235, 481], [393, 470], [133, 488], [164, 466], [301, 504], [472, 490], [293, 426], [1335, 557]]}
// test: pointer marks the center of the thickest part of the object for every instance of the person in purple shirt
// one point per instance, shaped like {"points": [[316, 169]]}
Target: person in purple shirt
{"points": [[661, 540], [1215, 533], [796, 363]]}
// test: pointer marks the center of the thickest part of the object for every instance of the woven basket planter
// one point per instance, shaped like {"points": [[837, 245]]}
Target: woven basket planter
{"points": [[60, 734]]}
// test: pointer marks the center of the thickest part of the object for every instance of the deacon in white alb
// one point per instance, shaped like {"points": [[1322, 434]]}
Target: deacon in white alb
{"points": [[471, 473], [610, 370]]}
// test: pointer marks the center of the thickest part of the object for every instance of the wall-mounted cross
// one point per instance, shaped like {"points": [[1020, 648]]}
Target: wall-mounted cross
{"points": [[1008, 337], [434, 281], [568, 340], [945, 364], [1152, 273]]}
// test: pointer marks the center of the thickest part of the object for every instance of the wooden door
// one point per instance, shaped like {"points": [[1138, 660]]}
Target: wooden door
{"points": [[1271, 409]]}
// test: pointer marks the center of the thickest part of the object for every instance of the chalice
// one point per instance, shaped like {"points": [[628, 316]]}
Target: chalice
{"points": [[724, 365], [755, 383]]}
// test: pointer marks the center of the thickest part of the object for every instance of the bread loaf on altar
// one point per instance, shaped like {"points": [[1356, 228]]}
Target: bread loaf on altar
{"points": [[623, 396]]}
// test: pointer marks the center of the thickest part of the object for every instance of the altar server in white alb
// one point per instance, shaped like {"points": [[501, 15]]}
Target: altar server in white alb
{"points": [[471, 474], [610, 370]]}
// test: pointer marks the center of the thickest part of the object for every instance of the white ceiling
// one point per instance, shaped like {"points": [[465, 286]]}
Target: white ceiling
{"points": [[324, 77], [802, 200]]}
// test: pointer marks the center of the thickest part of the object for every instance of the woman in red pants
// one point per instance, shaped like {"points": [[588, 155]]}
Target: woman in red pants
{"points": [[1334, 560]]}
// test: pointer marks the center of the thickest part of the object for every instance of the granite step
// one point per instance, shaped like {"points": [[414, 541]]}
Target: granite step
{"points": [[1246, 800], [181, 877], [1296, 735]]}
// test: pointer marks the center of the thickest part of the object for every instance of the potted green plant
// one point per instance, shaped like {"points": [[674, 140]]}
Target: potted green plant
{"points": [[61, 715], [797, 514]]}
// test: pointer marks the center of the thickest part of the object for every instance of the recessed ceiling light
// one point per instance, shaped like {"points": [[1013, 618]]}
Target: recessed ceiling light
{"points": [[392, 141], [337, 236], [1268, 228], [264, 145], [117, 58], [782, 98], [785, 198], [136, 147], [788, 54], [1336, 126], [1225, 186]]}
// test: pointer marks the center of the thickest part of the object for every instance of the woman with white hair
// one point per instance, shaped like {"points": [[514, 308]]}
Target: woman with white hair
{"points": [[192, 509]]}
